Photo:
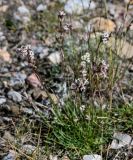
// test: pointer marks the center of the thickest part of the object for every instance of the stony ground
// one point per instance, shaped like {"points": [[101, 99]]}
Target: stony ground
{"points": [[35, 22]]}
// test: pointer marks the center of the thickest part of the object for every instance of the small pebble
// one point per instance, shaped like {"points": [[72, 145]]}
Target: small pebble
{"points": [[28, 149], [2, 100], [41, 8], [55, 58], [78, 6], [18, 79], [23, 10], [92, 157], [27, 110], [120, 140], [11, 156], [15, 96]]}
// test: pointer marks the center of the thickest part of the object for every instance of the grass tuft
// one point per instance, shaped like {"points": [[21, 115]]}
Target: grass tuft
{"points": [[84, 132]]}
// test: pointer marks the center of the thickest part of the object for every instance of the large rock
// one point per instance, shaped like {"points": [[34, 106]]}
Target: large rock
{"points": [[78, 6], [101, 24]]}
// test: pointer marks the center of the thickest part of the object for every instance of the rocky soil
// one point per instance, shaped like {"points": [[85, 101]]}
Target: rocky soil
{"points": [[22, 94]]}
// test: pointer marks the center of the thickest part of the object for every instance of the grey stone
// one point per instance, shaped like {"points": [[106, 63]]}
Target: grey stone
{"points": [[6, 119], [92, 157], [15, 96], [18, 79], [41, 7], [23, 10], [41, 50], [27, 110], [28, 149], [4, 70], [11, 155], [44, 53], [2, 37], [120, 140], [78, 6], [22, 14], [2, 100]]}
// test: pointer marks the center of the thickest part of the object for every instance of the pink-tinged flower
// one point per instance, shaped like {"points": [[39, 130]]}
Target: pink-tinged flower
{"points": [[105, 37], [61, 14], [27, 52]]}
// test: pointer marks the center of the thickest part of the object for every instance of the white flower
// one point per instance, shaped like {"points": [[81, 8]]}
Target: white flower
{"points": [[83, 64], [86, 57], [82, 108], [105, 40], [105, 35], [27, 52], [104, 69]]}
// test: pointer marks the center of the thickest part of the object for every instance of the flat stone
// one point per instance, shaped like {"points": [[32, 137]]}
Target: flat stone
{"points": [[38, 93], [2, 100], [11, 156], [78, 6], [27, 110], [41, 7], [22, 14], [18, 79], [120, 140], [55, 58], [2, 37], [15, 96], [15, 110], [28, 149], [23, 10], [92, 157], [44, 53], [4, 8]]}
